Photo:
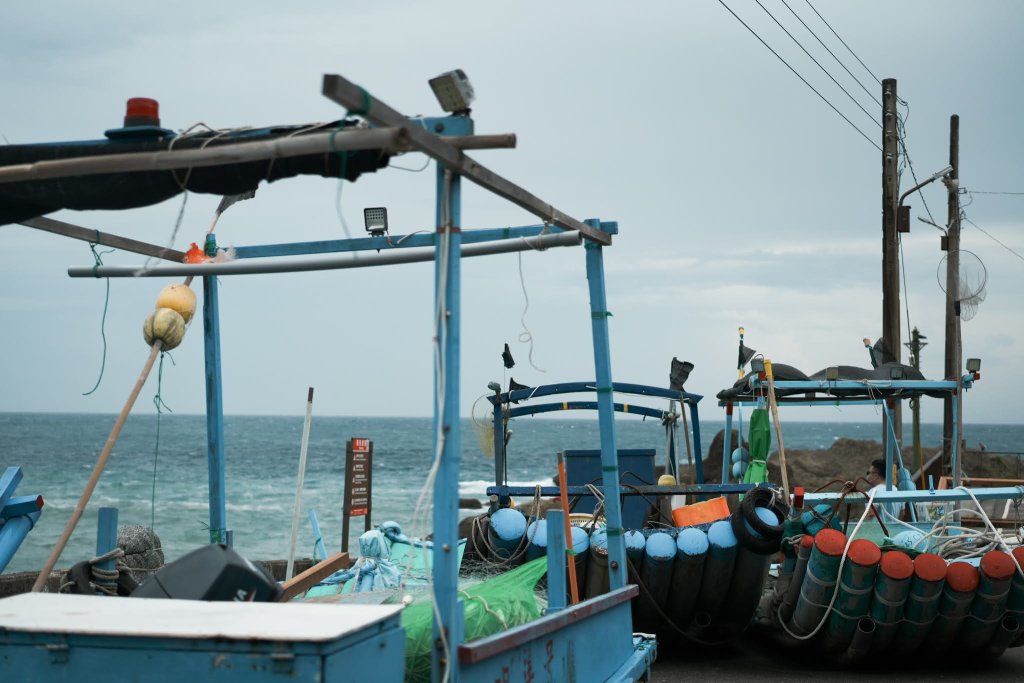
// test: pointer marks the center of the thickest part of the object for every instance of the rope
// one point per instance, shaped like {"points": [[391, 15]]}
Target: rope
{"points": [[526, 337], [158, 401], [103, 580], [98, 261]]}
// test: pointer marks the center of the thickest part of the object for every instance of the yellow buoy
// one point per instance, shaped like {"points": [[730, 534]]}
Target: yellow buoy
{"points": [[165, 324], [178, 297]]}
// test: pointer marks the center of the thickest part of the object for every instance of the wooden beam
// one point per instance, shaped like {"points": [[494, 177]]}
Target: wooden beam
{"points": [[391, 140], [104, 238], [313, 576], [350, 95]]}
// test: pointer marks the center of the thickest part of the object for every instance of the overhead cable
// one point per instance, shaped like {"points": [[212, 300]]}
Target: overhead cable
{"points": [[824, 99], [843, 42], [838, 84]]}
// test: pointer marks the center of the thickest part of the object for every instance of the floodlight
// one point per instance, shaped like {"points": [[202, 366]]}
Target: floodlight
{"points": [[832, 373], [453, 91], [973, 365], [757, 365], [376, 220], [896, 372], [494, 386]]}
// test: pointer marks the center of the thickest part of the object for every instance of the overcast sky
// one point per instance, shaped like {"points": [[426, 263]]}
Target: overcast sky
{"points": [[742, 198]]}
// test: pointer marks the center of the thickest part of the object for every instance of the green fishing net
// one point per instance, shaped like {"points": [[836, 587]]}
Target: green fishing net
{"points": [[760, 441], [489, 607]]}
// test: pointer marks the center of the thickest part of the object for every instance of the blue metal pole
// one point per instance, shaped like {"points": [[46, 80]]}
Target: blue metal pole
{"points": [[889, 439], [727, 444], [8, 482], [955, 448], [12, 532], [606, 412], [214, 411], [499, 446], [447, 310], [557, 560], [106, 538]]}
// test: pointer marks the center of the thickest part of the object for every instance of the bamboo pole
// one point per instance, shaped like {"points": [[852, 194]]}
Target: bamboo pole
{"points": [[570, 554], [390, 140], [778, 428], [298, 486], [101, 463]]}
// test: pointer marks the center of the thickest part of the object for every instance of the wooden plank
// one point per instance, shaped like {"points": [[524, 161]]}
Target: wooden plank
{"points": [[313, 576], [104, 238], [350, 95]]}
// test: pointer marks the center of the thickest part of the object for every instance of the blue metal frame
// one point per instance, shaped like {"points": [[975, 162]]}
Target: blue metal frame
{"points": [[214, 412], [902, 388]]}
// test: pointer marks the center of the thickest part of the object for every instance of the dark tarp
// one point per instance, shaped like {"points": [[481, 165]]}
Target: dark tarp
{"points": [[21, 201], [740, 390]]}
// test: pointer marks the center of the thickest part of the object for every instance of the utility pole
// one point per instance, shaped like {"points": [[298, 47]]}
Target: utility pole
{"points": [[890, 246], [915, 345], [951, 245]]}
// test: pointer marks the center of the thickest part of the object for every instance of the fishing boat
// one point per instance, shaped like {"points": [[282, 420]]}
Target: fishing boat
{"points": [[905, 575], [46, 636]]}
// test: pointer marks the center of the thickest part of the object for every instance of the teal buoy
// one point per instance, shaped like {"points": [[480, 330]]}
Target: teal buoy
{"points": [[996, 574], [506, 534], [922, 604], [892, 585], [537, 535], [714, 585], [853, 596], [819, 581], [691, 551], [655, 575], [962, 581]]}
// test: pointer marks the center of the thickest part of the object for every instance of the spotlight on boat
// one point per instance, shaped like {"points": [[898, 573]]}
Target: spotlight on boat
{"points": [[832, 373], [896, 372], [973, 365], [494, 386], [453, 91], [757, 365], [376, 220]]}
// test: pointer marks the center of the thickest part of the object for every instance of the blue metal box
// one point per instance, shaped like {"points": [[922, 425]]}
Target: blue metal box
{"points": [[75, 638], [636, 467]]}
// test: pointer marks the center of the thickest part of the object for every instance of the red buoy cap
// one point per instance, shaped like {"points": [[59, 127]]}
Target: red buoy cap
{"points": [[830, 542], [997, 565], [1018, 554], [142, 111], [896, 565], [807, 540], [864, 552], [930, 567], [962, 577]]}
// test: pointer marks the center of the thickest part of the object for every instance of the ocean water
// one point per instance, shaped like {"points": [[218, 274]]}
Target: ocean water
{"points": [[162, 479]]}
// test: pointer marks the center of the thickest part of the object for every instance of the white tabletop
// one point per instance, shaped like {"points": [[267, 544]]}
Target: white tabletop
{"points": [[149, 617]]}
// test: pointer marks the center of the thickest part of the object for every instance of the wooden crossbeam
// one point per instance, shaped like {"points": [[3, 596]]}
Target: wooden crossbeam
{"points": [[313, 576], [351, 96], [104, 238]]}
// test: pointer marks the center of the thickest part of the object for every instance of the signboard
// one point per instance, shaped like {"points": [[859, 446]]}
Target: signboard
{"points": [[358, 484], [358, 476]]}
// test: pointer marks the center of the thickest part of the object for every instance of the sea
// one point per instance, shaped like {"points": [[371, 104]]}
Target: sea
{"points": [[157, 474]]}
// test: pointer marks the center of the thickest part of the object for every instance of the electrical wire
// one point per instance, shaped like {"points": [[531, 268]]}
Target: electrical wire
{"points": [[838, 61], [797, 74], [843, 42], [991, 192], [838, 84], [993, 238]]}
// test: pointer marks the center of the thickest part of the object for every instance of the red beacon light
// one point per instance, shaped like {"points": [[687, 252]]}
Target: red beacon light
{"points": [[142, 111]]}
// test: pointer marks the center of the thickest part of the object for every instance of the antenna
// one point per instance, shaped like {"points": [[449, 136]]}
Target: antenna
{"points": [[970, 283]]}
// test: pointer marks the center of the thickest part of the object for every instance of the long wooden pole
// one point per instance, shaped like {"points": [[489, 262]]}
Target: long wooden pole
{"points": [[890, 242], [101, 463], [951, 357], [778, 428], [303, 448], [574, 591]]}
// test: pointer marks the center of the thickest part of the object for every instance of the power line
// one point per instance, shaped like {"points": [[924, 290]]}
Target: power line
{"points": [[838, 61], [852, 98], [902, 134], [990, 192], [824, 99], [843, 42], [993, 238]]}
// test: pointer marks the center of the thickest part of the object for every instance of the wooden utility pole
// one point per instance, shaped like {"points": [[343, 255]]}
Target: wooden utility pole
{"points": [[916, 344], [951, 244], [890, 246]]}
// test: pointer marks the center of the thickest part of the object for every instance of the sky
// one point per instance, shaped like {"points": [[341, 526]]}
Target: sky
{"points": [[742, 197]]}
